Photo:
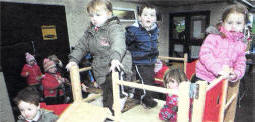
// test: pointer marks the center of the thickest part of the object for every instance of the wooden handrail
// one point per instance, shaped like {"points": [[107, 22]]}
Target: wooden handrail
{"points": [[230, 101]]}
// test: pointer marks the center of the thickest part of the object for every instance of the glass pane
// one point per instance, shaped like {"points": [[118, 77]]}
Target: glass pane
{"points": [[178, 50], [179, 28], [194, 51], [197, 27]]}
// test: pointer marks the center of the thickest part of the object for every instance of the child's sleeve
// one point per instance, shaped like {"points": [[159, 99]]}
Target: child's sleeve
{"points": [[80, 49], [116, 35], [130, 36], [206, 56], [24, 71], [240, 65]]}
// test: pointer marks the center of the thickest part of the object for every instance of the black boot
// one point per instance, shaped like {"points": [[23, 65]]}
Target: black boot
{"points": [[149, 102]]}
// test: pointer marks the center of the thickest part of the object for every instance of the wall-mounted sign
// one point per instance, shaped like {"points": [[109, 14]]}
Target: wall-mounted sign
{"points": [[49, 32]]}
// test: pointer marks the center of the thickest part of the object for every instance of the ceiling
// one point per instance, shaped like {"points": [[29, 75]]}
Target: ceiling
{"points": [[177, 3]]}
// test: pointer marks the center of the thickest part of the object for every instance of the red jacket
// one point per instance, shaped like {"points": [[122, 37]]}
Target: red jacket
{"points": [[51, 85], [34, 72], [170, 109], [160, 74]]}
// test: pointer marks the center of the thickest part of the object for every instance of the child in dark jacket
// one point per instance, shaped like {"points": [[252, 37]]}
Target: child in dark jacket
{"points": [[105, 41], [52, 83], [172, 79], [32, 72], [27, 101], [142, 42]]}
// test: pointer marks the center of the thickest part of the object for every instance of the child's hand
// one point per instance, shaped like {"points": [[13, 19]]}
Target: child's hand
{"points": [[27, 73], [232, 77], [116, 64], [70, 64], [84, 87], [225, 72]]}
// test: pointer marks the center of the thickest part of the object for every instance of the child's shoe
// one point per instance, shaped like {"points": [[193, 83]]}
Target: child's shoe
{"points": [[149, 102]]}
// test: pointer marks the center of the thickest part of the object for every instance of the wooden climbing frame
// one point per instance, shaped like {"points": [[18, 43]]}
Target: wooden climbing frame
{"points": [[80, 110]]}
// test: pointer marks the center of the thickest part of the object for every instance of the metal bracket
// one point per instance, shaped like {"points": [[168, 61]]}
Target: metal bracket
{"points": [[193, 91]]}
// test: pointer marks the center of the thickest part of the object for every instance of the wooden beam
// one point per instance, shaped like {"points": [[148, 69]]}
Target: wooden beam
{"points": [[148, 87], [183, 102], [85, 69], [76, 84], [199, 104]]}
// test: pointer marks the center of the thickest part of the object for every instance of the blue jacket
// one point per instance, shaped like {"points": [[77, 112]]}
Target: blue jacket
{"points": [[142, 44]]}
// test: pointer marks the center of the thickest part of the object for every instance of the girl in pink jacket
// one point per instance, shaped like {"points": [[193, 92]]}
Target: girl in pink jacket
{"points": [[224, 53]]}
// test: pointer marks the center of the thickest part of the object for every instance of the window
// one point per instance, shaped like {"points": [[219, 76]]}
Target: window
{"points": [[187, 31]]}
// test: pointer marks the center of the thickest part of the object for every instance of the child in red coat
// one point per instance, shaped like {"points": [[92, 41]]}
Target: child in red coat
{"points": [[52, 83], [160, 70], [32, 72], [172, 79]]}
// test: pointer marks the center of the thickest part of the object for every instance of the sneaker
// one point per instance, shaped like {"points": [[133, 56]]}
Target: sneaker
{"points": [[149, 102]]}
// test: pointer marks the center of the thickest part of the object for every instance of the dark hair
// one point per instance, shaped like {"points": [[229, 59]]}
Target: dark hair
{"points": [[145, 5], [93, 4], [236, 8], [175, 74], [29, 95]]}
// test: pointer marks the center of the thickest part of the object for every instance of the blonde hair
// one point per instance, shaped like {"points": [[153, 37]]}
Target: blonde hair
{"points": [[173, 75], [96, 5]]}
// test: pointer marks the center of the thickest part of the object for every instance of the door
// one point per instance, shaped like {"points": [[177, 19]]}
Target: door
{"points": [[38, 29]]}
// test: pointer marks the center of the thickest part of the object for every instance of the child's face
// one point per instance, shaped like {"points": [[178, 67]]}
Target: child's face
{"points": [[32, 62], [99, 17], [28, 110], [234, 22], [148, 17], [53, 70], [173, 85]]}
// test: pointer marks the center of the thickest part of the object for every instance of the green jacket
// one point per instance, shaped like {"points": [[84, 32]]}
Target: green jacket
{"points": [[105, 44], [46, 116]]}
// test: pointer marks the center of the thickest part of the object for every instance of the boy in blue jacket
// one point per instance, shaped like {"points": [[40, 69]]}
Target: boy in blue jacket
{"points": [[142, 42]]}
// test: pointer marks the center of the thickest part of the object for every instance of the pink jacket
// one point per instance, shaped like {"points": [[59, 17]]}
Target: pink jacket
{"points": [[217, 51]]}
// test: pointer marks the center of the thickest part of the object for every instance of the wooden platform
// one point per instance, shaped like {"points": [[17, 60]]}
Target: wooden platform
{"points": [[140, 114]]}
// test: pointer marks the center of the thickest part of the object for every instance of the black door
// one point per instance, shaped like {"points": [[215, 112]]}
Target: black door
{"points": [[38, 29]]}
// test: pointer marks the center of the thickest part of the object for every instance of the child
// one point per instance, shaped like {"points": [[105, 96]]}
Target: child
{"points": [[31, 71], [57, 62], [142, 42], [224, 54], [160, 69], [172, 79], [52, 83], [27, 101], [105, 41]]}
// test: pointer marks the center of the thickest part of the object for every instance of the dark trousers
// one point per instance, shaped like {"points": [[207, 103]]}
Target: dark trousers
{"points": [[145, 74], [54, 100], [107, 92]]}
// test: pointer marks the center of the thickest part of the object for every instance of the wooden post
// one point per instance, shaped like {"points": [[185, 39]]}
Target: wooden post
{"points": [[185, 61], [183, 102], [116, 97], [199, 103], [76, 84], [233, 88]]}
